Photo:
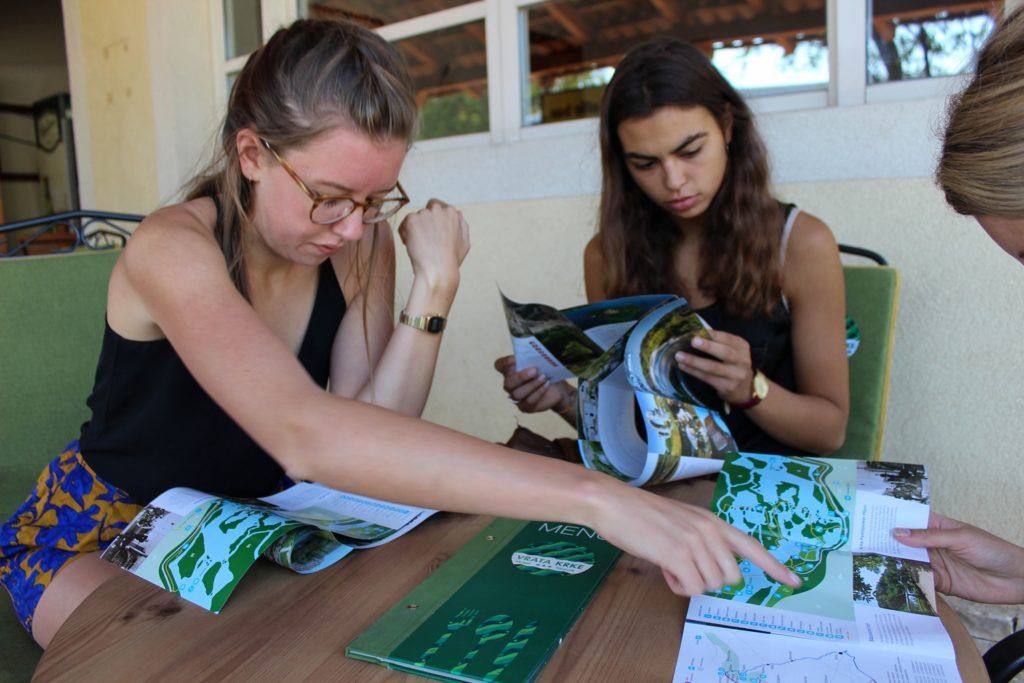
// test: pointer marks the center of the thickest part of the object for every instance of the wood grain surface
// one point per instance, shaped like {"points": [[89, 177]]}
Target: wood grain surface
{"points": [[282, 626]]}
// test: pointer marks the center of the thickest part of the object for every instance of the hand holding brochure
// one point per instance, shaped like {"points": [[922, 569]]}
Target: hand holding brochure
{"points": [[867, 608], [199, 546], [623, 353]]}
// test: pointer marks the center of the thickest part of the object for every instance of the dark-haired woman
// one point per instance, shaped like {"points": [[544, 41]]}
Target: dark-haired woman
{"points": [[686, 208]]}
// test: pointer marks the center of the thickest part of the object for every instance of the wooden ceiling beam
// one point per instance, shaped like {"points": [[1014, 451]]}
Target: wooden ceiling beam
{"points": [[477, 87], [885, 29], [570, 20], [667, 9], [896, 7], [476, 29], [321, 10], [421, 55], [705, 16]]}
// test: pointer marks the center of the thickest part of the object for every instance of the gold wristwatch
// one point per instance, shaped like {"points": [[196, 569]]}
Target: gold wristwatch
{"points": [[434, 324], [760, 391]]}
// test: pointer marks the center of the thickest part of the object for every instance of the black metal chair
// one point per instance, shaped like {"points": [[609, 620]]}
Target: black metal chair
{"points": [[1005, 659], [95, 230]]}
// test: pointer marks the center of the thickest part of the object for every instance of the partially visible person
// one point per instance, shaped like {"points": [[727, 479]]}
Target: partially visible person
{"points": [[687, 209], [981, 173], [969, 562]]}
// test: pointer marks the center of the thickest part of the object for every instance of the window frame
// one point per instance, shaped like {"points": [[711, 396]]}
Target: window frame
{"points": [[273, 15], [505, 24]]}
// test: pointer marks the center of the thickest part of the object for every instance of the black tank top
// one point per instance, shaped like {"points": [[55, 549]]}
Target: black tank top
{"points": [[771, 351], [153, 427]]}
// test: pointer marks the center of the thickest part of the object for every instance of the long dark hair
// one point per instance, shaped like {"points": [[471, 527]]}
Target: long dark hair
{"points": [[308, 78], [740, 260]]}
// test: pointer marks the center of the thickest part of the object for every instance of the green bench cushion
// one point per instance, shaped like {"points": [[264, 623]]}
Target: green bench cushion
{"points": [[52, 313], [871, 300]]}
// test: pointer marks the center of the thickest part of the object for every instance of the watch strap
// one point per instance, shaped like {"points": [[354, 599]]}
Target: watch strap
{"points": [[755, 396], [434, 324]]}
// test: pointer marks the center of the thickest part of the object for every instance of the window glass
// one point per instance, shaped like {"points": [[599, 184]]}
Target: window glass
{"points": [[449, 69], [761, 47], [912, 39], [376, 13], [242, 29]]}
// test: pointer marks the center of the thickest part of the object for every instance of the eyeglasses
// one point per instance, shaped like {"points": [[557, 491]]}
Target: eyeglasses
{"points": [[328, 209]]}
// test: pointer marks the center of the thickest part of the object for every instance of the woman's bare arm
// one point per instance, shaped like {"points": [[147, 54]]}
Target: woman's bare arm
{"points": [[402, 358]]}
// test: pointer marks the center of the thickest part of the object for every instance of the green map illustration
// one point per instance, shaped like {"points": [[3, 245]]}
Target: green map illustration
{"points": [[206, 554], [798, 508]]}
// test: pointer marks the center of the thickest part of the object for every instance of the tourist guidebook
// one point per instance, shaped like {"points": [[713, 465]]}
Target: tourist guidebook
{"points": [[495, 611], [199, 546], [639, 417], [866, 612]]}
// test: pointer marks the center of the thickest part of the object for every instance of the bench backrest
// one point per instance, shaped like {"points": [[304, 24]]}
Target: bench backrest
{"points": [[52, 313], [872, 295], [51, 325]]}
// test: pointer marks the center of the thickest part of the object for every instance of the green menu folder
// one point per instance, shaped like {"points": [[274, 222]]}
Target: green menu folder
{"points": [[497, 609]]}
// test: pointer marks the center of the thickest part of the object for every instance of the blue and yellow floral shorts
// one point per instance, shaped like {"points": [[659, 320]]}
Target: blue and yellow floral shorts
{"points": [[71, 512]]}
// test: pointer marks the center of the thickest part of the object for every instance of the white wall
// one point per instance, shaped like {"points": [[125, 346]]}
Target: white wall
{"points": [[142, 83]]}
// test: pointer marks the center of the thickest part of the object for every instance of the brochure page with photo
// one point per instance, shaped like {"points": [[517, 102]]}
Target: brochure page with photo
{"points": [[867, 608]]}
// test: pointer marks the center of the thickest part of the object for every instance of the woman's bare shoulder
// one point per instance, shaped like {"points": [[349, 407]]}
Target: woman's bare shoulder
{"points": [[167, 247], [812, 258], [593, 269], [172, 230], [811, 238]]}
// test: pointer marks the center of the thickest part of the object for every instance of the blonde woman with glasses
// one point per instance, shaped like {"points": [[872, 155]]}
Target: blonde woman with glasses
{"points": [[230, 315]]}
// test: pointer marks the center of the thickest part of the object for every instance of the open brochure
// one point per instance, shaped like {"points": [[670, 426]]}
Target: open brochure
{"points": [[199, 546], [867, 608], [639, 418]]}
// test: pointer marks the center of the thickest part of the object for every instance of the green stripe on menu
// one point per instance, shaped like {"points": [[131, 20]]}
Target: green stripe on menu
{"points": [[376, 642]]}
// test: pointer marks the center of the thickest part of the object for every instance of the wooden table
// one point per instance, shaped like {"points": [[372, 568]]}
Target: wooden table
{"points": [[280, 626]]}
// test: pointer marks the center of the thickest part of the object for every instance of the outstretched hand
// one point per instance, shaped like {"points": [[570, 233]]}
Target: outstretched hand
{"points": [[529, 388], [695, 550], [969, 562]]}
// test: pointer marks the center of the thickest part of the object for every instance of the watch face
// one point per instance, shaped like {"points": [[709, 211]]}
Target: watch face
{"points": [[435, 324], [760, 384]]}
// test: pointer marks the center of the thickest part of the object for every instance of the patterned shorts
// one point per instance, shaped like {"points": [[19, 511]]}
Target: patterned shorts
{"points": [[71, 512]]}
